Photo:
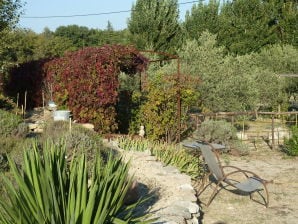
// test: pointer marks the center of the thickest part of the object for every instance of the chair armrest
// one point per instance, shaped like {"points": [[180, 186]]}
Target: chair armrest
{"points": [[247, 174], [234, 167]]}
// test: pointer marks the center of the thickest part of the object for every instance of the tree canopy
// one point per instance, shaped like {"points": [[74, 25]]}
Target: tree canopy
{"points": [[9, 13], [155, 25]]}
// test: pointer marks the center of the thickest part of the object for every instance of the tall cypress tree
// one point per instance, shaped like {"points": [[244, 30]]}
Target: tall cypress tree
{"points": [[154, 24], [285, 18], [246, 26], [202, 17]]}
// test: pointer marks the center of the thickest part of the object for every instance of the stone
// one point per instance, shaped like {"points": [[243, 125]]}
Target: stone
{"points": [[38, 130], [194, 220], [32, 126], [193, 208], [185, 187], [88, 126], [177, 210]]}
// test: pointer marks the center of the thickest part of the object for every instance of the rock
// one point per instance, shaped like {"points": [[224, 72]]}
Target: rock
{"points": [[194, 220], [88, 126], [193, 208], [177, 210], [32, 126], [186, 187], [38, 130]]}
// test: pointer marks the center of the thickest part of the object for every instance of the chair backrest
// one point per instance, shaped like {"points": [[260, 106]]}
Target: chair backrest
{"points": [[212, 161]]}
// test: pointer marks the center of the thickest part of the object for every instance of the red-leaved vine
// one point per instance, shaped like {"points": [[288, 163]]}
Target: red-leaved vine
{"points": [[86, 82]]}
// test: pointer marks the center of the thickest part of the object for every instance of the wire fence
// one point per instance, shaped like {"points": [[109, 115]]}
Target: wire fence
{"points": [[256, 127]]}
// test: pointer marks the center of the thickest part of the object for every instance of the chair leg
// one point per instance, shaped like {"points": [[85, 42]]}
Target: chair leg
{"points": [[214, 193], [265, 198], [203, 185]]}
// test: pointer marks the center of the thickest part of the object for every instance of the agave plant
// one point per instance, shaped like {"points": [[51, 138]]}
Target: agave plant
{"points": [[49, 189]]}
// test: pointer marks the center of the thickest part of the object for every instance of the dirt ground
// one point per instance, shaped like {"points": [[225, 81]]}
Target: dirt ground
{"points": [[230, 208]]}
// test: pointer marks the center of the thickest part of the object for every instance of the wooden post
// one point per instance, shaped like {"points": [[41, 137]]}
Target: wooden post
{"points": [[18, 95], [272, 130], [43, 107], [70, 124], [25, 104], [22, 111]]}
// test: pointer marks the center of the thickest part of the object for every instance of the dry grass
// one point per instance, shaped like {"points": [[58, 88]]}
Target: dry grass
{"points": [[231, 208]]}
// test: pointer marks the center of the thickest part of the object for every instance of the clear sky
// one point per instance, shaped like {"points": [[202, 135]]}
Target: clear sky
{"points": [[46, 8]]}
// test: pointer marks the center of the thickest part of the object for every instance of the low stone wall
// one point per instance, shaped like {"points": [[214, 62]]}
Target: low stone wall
{"points": [[175, 200]]}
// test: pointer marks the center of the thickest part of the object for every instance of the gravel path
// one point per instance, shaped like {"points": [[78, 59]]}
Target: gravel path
{"points": [[174, 199]]}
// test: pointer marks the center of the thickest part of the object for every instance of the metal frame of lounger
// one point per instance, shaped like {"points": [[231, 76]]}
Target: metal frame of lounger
{"points": [[251, 185]]}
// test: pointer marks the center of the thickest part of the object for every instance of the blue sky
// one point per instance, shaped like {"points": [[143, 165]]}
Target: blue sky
{"points": [[39, 8]]}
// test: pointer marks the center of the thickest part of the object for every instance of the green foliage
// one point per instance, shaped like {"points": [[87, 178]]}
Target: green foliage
{"points": [[281, 59], [246, 26], [237, 146], [3, 164], [202, 17], [135, 144], [216, 131], [22, 46], [291, 144], [154, 25], [77, 140], [6, 103], [178, 157], [81, 36], [77, 34], [159, 112], [49, 190], [285, 16], [127, 103], [169, 154], [230, 83], [9, 123], [9, 13]]}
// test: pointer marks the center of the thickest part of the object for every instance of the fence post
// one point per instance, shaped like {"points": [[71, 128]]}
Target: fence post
{"points": [[272, 128]]}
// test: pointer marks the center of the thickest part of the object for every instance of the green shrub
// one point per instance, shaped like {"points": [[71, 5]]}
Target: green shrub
{"points": [[291, 144], [169, 154], [216, 131], [78, 138], [9, 123], [6, 103], [239, 147], [3, 162], [49, 190], [159, 112]]}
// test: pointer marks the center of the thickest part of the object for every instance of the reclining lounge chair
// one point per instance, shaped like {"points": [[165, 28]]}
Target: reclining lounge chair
{"points": [[250, 182]]}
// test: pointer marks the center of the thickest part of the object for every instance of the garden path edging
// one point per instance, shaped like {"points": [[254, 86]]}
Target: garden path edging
{"points": [[176, 203]]}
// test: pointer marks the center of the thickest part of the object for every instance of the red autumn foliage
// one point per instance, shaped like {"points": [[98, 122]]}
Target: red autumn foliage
{"points": [[86, 81]]}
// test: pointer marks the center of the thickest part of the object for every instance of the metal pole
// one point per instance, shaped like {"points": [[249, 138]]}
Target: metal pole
{"points": [[178, 100]]}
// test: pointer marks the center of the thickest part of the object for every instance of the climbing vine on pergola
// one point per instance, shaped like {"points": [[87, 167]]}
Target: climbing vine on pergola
{"points": [[86, 81]]}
